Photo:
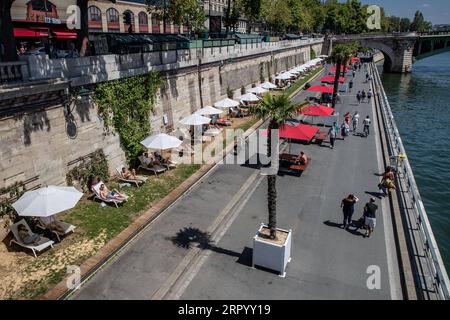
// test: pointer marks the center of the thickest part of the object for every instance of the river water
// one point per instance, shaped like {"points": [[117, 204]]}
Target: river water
{"points": [[421, 105]]}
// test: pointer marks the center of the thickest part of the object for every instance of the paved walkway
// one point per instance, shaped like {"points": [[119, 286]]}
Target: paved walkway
{"points": [[230, 203]]}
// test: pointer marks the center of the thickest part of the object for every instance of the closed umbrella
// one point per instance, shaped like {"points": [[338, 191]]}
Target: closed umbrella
{"points": [[226, 103], [208, 111], [195, 120], [46, 202], [161, 141]]}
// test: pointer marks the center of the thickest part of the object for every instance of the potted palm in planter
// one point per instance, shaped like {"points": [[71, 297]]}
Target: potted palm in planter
{"points": [[340, 55], [271, 245]]}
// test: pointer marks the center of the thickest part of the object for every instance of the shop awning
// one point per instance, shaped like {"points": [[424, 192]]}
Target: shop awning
{"points": [[330, 79], [324, 89], [22, 32], [301, 132], [64, 34], [317, 111]]}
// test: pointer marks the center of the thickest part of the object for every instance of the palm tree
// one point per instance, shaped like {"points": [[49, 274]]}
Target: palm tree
{"points": [[340, 55], [275, 109]]}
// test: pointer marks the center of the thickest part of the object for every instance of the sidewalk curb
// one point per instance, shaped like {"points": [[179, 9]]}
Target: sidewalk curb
{"points": [[94, 263]]}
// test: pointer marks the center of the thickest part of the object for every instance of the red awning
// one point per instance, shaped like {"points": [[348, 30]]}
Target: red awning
{"points": [[64, 34], [324, 89], [333, 68], [21, 32], [317, 111], [301, 132], [330, 79]]}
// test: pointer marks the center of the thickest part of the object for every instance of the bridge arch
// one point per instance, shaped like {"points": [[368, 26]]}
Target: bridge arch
{"points": [[388, 52]]}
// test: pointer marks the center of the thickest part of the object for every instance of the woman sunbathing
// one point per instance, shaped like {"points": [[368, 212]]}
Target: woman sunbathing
{"points": [[129, 175], [111, 195], [26, 237]]}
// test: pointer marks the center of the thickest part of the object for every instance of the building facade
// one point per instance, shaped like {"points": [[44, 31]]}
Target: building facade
{"points": [[215, 11]]}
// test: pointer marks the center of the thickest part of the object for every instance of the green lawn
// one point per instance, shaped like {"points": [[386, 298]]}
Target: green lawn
{"points": [[301, 82]]}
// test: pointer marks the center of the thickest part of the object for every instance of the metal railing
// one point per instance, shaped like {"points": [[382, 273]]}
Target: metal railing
{"points": [[397, 152]]}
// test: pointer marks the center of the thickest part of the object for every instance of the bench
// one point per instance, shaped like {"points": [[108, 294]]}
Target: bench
{"points": [[320, 137], [300, 167]]}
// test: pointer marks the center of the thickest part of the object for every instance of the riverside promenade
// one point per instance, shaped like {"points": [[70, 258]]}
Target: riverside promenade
{"points": [[223, 211]]}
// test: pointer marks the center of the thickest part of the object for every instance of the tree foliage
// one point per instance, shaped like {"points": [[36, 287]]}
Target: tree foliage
{"points": [[125, 106]]}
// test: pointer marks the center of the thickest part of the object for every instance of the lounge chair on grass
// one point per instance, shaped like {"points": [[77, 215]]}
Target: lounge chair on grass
{"points": [[116, 202], [66, 228], [154, 168], [41, 245], [137, 181]]}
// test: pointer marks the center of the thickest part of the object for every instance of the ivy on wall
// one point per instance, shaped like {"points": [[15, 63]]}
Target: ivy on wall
{"points": [[93, 167], [313, 54], [125, 106], [8, 195]]}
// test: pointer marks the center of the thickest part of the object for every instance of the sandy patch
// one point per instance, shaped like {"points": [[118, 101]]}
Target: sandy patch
{"points": [[19, 270]]}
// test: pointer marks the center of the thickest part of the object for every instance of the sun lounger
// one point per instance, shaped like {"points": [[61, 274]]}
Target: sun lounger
{"points": [[67, 227], [43, 243], [154, 168], [96, 190], [137, 181]]}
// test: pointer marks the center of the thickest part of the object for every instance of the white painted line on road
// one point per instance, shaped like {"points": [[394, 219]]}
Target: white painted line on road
{"points": [[194, 270], [185, 264], [391, 255]]}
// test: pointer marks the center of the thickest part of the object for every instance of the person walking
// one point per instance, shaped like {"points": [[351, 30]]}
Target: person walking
{"points": [[363, 96], [387, 181], [333, 135], [370, 220], [359, 97], [345, 129], [354, 74], [350, 86], [355, 121], [369, 95], [366, 124], [367, 77], [348, 208]]}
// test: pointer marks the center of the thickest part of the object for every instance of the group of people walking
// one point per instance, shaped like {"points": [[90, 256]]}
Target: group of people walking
{"points": [[363, 96]]}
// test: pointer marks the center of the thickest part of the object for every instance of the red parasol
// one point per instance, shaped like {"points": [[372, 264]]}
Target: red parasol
{"points": [[317, 111], [330, 79], [323, 89], [301, 132]]}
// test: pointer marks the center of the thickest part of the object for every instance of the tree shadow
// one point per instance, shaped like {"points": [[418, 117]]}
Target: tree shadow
{"points": [[37, 121], [189, 237]]}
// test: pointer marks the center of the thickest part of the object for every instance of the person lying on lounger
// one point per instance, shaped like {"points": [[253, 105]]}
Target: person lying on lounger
{"points": [[26, 237], [52, 224], [111, 195], [302, 159], [129, 175]]}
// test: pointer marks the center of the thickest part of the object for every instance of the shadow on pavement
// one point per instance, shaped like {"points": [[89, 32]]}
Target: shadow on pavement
{"points": [[189, 237], [378, 195], [356, 225]]}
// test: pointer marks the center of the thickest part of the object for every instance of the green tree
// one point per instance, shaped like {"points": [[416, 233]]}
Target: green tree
{"points": [[341, 55], [405, 24], [252, 11], [302, 16], [189, 12], [419, 24], [275, 109], [232, 15], [276, 14]]}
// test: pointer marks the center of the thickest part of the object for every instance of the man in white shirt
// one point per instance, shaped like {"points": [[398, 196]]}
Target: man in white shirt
{"points": [[367, 123]]}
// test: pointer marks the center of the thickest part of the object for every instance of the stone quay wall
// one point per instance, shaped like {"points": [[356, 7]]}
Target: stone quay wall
{"points": [[36, 143]]}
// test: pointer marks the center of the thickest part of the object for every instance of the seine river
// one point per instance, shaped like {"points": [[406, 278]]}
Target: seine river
{"points": [[421, 105]]}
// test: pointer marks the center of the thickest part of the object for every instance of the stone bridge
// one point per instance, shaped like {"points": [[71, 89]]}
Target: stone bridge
{"points": [[400, 49]]}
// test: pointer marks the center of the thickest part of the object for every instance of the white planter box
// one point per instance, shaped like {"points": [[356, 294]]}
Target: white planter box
{"points": [[271, 255]]}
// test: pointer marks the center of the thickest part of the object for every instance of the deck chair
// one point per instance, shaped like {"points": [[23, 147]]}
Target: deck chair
{"points": [[96, 190], [43, 243], [155, 169], [137, 181], [68, 228]]}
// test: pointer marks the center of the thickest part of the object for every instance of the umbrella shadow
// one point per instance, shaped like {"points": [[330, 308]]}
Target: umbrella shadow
{"points": [[189, 237], [378, 195]]}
